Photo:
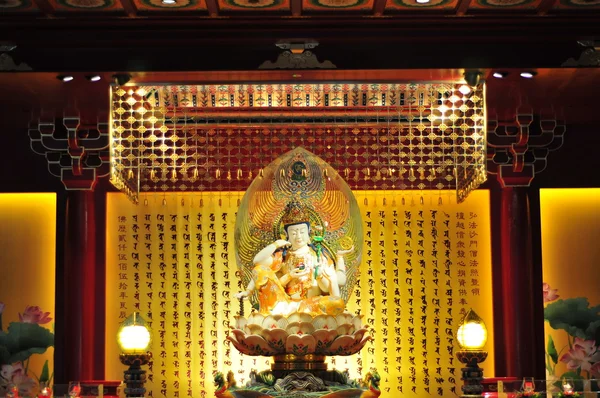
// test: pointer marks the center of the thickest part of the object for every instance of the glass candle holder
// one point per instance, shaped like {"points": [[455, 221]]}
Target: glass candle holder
{"points": [[45, 390], [528, 386], [568, 387], [74, 389], [12, 391]]}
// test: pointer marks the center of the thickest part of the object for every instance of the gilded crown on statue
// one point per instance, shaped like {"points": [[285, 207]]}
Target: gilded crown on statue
{"points": [[294, 213]]}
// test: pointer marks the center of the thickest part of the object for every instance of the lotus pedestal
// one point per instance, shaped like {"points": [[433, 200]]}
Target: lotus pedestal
{"points": [[299, 344]]}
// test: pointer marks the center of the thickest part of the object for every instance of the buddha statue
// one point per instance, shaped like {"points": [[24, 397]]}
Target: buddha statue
{"points": [[298, 274]]}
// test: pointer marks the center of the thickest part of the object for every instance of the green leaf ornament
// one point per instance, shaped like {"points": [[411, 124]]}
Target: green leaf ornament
{"points": [[22, 340], [552, 350], [575, 316]]}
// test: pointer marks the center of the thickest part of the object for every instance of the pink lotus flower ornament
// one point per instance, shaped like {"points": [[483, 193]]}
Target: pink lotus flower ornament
{"points": [[34, 314], [582, 355], [24, 383], [15, 374], [9, 371], [589, 346], [549, 293]]}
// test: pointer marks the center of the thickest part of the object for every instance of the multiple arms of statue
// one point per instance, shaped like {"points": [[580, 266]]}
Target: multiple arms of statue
{"points": [[247, 292], [341, 265], [329, 278], [265, 256]]}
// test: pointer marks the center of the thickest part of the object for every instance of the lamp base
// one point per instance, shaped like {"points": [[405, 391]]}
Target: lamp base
{"points": [[472, 374], [135, 376]]}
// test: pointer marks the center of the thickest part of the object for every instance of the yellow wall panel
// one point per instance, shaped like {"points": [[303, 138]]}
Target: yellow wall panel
{"points": [[570, 256], [27, 259], [424, 265]]}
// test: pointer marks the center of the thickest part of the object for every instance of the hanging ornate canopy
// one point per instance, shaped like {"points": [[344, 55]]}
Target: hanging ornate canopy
{"points": [[388, 136]]}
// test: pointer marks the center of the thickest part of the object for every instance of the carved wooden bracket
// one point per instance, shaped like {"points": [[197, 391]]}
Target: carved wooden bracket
{"points": [[78, 155], [515, 155], [590, 55], [297, 56], [6, 61]]}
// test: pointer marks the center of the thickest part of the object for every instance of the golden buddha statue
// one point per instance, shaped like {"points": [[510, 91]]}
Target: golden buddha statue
{"points": [[298, 241], [296, 274]]}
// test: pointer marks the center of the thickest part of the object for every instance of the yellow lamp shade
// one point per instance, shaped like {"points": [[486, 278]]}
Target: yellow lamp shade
{"points": [[472, 333], [134, 335]]}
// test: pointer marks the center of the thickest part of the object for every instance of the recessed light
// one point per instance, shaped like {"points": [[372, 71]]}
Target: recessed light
{"points": [[65, 78], [94, 78], [500, 75], [464, 89], [423, 1], [169, 2], [528, 74]]}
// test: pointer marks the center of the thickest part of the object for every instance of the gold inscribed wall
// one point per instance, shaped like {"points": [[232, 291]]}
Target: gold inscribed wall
{"points": [[424, 264]]}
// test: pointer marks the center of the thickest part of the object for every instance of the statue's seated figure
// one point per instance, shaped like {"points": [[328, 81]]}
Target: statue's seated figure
{"points": [[297, 275]]}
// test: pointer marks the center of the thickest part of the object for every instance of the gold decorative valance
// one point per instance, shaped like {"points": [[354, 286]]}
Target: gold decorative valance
{"points": [[385, 136]]}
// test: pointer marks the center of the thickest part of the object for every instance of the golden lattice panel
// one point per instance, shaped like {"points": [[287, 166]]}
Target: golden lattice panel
{"points": [[377, 136]]}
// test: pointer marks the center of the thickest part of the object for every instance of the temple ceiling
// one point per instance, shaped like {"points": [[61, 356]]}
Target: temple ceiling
{"points": [[291, 8]]}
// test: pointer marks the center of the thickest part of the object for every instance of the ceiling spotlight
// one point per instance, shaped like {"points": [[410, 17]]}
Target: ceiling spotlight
{"points": [[423, 1], [464, 89], [528, 74], [472, 77], [500, 75], [121, 78], [93, 78], [65, 78], [169, 2]]}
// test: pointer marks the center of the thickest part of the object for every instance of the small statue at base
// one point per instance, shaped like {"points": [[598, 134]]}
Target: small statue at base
{"points": [[298, 383]]}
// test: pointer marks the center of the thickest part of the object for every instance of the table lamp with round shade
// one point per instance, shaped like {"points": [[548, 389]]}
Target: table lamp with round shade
{"points": [[472, 333], [134, 339], [471, 337]]}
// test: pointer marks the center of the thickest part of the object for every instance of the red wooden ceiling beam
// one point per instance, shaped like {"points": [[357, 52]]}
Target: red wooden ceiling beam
{"points": [[379, 7], [545, 6], [45, 7], [129, 7], [213, 8], [463, 7], [296, 6]]}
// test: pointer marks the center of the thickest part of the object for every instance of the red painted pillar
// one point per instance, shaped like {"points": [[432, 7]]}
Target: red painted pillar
{"points": [[78, 155], [517, 283], [517, 150], [80, 287]]}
